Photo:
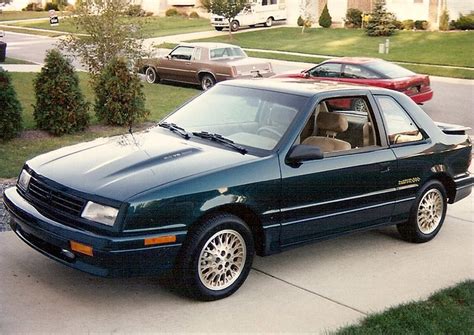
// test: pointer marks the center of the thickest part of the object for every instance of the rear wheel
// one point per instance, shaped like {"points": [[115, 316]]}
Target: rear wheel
{"points": [[151, 75], [234, 25], [216, 258], [207, 81], [219, 28], [427, 214], [269, 22]]}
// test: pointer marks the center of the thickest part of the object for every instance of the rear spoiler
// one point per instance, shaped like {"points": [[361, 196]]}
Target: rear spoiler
{"points": [[452, 129]]}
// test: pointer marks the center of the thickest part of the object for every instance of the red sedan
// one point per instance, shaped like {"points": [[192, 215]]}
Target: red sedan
{"points": [[370, 71]]}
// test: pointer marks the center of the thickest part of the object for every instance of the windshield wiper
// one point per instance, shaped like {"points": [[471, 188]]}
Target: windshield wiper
{"points": [[220, 139], [175, 129]]}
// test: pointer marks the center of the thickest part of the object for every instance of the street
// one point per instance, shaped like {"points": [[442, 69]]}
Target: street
{"points": [[453, 100]]}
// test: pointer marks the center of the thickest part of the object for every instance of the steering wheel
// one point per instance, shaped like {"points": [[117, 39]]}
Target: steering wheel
{"points": [[269, 130]]}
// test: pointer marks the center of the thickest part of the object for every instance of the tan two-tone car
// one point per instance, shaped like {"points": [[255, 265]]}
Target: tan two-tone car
{"points": [[204, 64]]}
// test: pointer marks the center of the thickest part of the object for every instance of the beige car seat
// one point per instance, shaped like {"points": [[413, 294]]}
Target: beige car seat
{"points": [[331, 124]]}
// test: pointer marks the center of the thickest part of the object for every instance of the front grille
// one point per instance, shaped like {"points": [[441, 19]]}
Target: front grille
{"points": [[51, 198]]}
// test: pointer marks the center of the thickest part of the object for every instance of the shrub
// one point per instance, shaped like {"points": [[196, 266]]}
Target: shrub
{"points": [[325, 19], [60, 106], [10, 113], [300, 21], [421, 24], [149, 14], [381, 21], [194, 15], [50, 5], [119, 95], [135, 10], [398, 24], [444, 21], [464, 22], [408, 24], [353, 18], [171, 12]]}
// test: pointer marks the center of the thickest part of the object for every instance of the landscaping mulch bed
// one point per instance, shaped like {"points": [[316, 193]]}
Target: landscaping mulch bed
{"points": [[4, 184]]}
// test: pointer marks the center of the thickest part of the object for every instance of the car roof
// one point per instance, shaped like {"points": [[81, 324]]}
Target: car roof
{"points": [[299, 86], [209, 45], [352, 60]]}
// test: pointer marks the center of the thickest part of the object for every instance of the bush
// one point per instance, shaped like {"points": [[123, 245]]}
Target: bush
{"points": [[60, 106], [194, 15], [408, 24], [381, 22], [149, 14], [398, 24], [50, 5], [300, 21], [444, 21], [135, 10], [33, 7], [421, 24], [464, 22], [119, 95], [10, 113], [171, 12], [353, 18], [325, 20]]}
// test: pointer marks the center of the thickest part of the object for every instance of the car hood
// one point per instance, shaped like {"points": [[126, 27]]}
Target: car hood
{"points": [[123, 166]]}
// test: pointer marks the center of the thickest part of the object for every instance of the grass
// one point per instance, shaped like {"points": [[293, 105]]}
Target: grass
{"points": [[152, 26], [31, 31], [160, 100], [442, 48], [450, 311], [9, 60], [23, 15]]}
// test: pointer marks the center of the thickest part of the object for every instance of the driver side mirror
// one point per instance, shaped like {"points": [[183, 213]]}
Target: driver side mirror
{"points": [[303, 152]]}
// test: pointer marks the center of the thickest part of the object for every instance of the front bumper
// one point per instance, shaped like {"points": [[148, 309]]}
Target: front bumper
{"points": [[112, 256]]}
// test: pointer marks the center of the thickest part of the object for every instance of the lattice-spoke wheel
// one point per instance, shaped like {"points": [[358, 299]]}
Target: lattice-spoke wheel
{"points": [[430, 211], [222, 259]]}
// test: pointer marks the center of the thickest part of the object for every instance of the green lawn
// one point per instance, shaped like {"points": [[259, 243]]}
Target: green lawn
{"points": [[160, 100], [9, 60], [450, 311], [152, 26], [443, 48], [23, 15]]}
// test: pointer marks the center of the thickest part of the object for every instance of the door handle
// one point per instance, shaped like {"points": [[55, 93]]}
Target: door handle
{"points": [[188, 63], [384, 167]]}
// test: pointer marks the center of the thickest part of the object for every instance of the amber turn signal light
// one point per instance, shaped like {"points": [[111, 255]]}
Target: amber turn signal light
{"points": [[81, 248], [160, 240]]}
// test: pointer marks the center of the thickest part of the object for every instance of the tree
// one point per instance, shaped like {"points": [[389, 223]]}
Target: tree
{"points": [[325, 20], [119, 95], [306, 9], [444, 20], [353, 18], [381, 22], [60, 106], [225, 8], [10, 113], [110, 33]]}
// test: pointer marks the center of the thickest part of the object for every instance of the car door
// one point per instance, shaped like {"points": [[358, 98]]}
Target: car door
{"points": [[346, 190], [327, 71], [176, 66]]}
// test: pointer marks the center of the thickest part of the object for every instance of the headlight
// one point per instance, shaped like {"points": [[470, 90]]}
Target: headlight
{"points": [[24, 180], [100, 213]]}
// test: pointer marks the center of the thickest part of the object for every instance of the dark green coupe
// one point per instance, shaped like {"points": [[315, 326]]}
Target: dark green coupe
{"points": [[255, 166]]}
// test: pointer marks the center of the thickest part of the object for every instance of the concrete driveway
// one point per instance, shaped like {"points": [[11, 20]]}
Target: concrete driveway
{"points": [[315, 288]]}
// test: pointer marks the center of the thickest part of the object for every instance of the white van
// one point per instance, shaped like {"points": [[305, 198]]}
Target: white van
{"points": [[256, 12]]}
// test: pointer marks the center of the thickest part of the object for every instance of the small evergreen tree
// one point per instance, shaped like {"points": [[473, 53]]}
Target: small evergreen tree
{"points": [[60, 106], [325, 20], [353, 18], [381, 22], [119, 95], [444, 21], [10, 112]]}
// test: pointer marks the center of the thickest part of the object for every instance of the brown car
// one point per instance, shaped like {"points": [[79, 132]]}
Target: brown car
{"points": [[204, 64]]}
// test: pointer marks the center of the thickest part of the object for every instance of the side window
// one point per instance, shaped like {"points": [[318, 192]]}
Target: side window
{"points": [[182, 53], [273, 2], [330, 70], [357, 72], [400, 127], [341, 124], [264, 2]]}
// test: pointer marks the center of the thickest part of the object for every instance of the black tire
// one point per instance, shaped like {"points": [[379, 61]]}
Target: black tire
{"points": [[426, 215], [359, 105], [234, 25], [206, 280], [219, 28], [207, 81], [269, 22], [151, 75]]}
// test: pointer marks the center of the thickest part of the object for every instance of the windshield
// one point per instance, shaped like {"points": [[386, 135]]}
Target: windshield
{"points": [[226, 53], [249, 117], [389, 70]]}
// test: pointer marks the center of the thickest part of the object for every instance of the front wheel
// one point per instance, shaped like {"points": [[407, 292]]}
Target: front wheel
{"points": [[207, 81], [151, 75], [269, 22], [427, 214], [234, 25], [216, 258]]}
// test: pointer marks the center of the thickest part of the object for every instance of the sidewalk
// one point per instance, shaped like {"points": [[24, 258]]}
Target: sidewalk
{"points": [[314, 289]]}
